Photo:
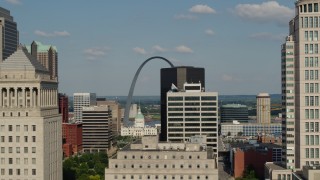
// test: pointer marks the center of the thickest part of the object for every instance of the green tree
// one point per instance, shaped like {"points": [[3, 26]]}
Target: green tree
{"points": [[99, 168], [96, 177]]}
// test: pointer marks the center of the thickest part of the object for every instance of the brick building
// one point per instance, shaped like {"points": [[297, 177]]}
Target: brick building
{"points": [[72, 135]]}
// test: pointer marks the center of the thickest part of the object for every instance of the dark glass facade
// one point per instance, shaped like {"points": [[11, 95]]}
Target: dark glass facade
{"points": [[177, 76], [232, 112]]}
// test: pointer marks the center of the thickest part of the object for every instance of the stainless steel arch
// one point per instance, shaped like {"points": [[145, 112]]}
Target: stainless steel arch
{"points": [[133, 83]]}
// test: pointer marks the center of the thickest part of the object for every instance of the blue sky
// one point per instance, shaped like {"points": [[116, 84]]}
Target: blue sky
{"points": [[102, 43]]}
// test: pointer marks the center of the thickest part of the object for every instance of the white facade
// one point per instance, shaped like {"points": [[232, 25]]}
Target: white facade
{"points": [[30, 124], [82, 100], [150, 159], [300, 87], [263, 108], [192, 112], [139, 129], [250, 129]]}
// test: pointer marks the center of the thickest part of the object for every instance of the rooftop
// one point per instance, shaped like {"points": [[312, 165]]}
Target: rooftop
{"points": [[274, 166]]}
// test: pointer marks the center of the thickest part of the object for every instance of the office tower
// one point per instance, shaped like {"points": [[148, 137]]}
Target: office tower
{"points": [[263, 108], [116, 114], [47, 55], [150, 159], [96, 128], [177, 76], [82, 100], [234, 112], [64, 107], [300, 87], [30, 124], [190, 112], [9, 38]]}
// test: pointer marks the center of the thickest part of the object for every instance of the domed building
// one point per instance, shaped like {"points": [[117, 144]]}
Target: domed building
{"points": [[139, 129]]}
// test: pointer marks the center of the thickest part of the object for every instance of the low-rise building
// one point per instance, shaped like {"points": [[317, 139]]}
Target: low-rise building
{"points": [[150, 159], [72, 136], [274, 171]]}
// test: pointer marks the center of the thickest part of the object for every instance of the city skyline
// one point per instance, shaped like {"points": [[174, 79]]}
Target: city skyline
{"points": [[106, 42]]}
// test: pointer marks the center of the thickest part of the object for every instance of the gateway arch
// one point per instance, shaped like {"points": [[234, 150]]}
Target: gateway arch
{"points": [[133, 83]]}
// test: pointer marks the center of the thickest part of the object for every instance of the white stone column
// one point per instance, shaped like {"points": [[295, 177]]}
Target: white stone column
{"points": [[1, 98]]}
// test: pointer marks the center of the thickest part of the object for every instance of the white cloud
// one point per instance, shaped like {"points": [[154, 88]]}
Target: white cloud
{"points": [[183, 49], [268, 36], [202, 9], [270, 11], [158, 48], [53, 34], [95, 52], [16, 2], [209, 32], [185, 16], [139, 50]]}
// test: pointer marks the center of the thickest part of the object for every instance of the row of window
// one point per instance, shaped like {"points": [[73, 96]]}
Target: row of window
{"points": [[193, 98], [311, 35], [18, 149], [17, 161], [192, 114], [311, 101], [18, 172], [11, 114], [190, 119], [311, 113], [312, 152], [311, 126], [157, 157], [192, 104], [310, 22], [162, 177], [17, 128], [193, 109], [164, 166], [312, 139], [311, 62], [311, 49], [25, 138], [311, 87], [307, 8]]}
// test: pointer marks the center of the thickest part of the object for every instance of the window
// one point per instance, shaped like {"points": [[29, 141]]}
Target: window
{"points": [[306, 35], [17, 138], [25, 149], [34, 172], [306, 49], [17, 149], [10, 160], [311, 36], [316, 49], [306, 99], [10, 127], [25, 160], [18, 171], [34, 139], [306, 75], [3, 150], [10, 138], [25, 172], [2, 172], [10, 149], [17, 160], [17, 128], [26, 139], [33, 149], [306, 127], [10, 171], [316, 9], [25, 127], [33, 127]]}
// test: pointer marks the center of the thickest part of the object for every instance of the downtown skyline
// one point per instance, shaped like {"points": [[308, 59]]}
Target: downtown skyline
{"points": [[102, 44]]}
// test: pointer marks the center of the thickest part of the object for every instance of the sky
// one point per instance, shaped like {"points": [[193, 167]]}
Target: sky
{"points": [[101, 44]]}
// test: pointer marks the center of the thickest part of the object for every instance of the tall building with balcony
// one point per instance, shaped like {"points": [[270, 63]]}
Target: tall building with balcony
{"points": [[192, 111], [30, 123], [177, 76], [232, 112], [96, 128], [82, 100], [300, 87], [9, 35]]}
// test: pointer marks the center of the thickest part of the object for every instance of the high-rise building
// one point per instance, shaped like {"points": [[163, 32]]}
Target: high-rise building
{"points": [[177, 76], [82, 100], [263, 108], [116, 114], [233, 112], [96, 128], [30, 124], [47, 55], [9, 38], [190, 112], [63, 107], [300, 87]]}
